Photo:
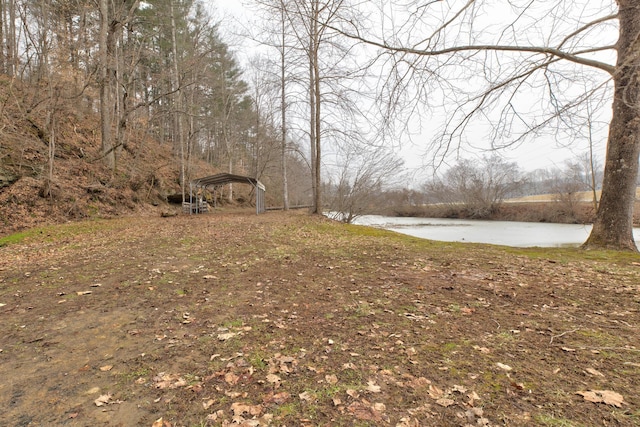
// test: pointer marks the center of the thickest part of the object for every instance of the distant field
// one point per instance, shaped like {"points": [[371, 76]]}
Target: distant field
{"points": [[585, 196]]}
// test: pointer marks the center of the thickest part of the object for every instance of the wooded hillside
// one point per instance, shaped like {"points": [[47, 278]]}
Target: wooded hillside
{"points": [[82, 185], [110, 110]]}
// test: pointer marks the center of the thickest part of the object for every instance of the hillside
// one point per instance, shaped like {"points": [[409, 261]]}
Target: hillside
{"points": [[82, 187]]}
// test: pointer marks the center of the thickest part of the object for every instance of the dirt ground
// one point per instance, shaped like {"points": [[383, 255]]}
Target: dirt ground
{"points": [[288, 319]]}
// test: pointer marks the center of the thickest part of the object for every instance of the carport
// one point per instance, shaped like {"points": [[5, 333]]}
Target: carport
{"points": [[196, 203]]}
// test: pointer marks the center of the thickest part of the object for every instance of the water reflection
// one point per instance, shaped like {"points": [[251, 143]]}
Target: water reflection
{"points": [[517, 234]]}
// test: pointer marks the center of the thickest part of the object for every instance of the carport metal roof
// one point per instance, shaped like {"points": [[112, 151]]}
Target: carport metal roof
{"points": [[213, 181]]}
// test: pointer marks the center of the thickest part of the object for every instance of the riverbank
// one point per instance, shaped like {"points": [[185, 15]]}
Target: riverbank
{"points": [[534, 211], [291, 319]]}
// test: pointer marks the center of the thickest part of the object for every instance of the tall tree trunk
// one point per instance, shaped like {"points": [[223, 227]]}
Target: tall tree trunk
{"points": [[105, 87], [283, 110], [12, 54], [314, 101], [179, 134], [318, 177], [312, 130], [3, 43], [613, 227]]}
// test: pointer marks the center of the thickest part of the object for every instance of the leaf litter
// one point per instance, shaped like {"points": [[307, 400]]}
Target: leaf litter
{"points": [[409, 345]]}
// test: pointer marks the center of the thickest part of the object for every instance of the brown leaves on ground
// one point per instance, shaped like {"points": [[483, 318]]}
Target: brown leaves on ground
{"points": [[363, 410], [285, 319], [607, 397], [169, 381]]}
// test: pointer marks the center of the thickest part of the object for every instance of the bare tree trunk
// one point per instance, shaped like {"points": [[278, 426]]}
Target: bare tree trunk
{"points": [[314, 98], [613, 227], [105, 89], [3, 43], [316, 72], [12, 49], [312, 132], [177, 101], [592, 167], [283, 110]]}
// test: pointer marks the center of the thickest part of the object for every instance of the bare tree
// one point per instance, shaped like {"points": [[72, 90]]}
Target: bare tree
{"points": [[362, 176], [478, 187], [112, 21], [543, 48], [569, 185], [327, 63], [281, 39]]}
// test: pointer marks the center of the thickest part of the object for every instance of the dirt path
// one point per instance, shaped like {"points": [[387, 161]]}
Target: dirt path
{"points": [[291, 320]]}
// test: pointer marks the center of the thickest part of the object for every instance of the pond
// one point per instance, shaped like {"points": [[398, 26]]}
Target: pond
{"points": [[517, 234]]}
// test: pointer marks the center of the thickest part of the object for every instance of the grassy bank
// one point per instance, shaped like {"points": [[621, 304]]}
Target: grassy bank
{"points": [[286, 319]]}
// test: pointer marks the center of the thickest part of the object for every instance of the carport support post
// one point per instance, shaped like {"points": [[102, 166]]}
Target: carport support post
{"points": [[190, 198], [255, 187]]}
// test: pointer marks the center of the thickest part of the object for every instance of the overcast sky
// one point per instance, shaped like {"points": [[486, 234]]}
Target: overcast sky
{"points": [[543, 153]]}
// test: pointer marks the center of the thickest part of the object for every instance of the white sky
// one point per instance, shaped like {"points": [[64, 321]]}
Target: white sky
{"points": [[544, 153]]}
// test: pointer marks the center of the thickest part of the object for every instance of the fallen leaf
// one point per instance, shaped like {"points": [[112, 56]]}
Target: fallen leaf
{"points": [[164, 381], [504, 367], [380, 407], [240, 408], [595, 372], [106, 368], [160, 422], [352, 393], [331, 379], [278, 398], [364, 412], [233, 394], [306, 396], [459, 389], [273, 379], [435, 392], [484, 350], [215, 416], [224, 337], [517, 386], [206, 405], [372, 387], [474, 413], [418, 382], [231, 378], [473, 396], [445, 402], [103, 399], [408, 422], [603, 396]]}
